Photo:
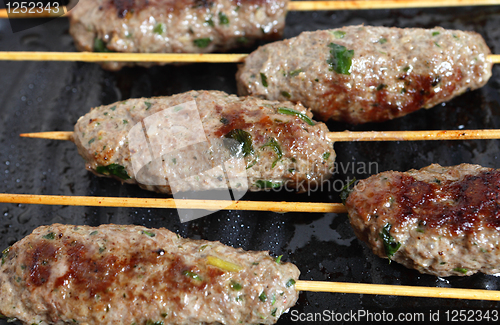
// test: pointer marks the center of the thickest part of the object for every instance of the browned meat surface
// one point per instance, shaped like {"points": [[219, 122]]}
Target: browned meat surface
{"points": [[116, 274], [392, 71], [445, 219], [164, 26], [263, 144]]}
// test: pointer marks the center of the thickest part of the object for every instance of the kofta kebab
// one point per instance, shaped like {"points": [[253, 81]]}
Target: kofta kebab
{"points": [[111, 273]]}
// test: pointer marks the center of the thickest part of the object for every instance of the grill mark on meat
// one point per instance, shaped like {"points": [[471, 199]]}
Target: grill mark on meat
{"points": [[418, 89], [39, 259], [235, 121], [125, 6], [471, 196]]}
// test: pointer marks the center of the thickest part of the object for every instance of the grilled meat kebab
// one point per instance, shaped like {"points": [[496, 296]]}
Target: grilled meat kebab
{"points": [[438, 220], [115, 274], [258, 144], [169, 26], [361, 74]]}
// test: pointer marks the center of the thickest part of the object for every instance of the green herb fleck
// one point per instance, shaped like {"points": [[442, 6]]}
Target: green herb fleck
{"points": [[91, 140], [202, 42], [224, 121], [150, 322], [290, 283], [326, 155], [278, 259], [263, 297], [93, 233], [148, 105], [461, 270], [390, 244], [435, 33], [340, 59], [114, 170], [159, 28], [290, 111], [383, 40], [264, 79], [209, 21], [50, 236], [223, 20], [346, 190], [285, 94], [235, 285], [267, 184], [437, 44], [174, 160], [242, 144], [5, 253], [295, 73], [273, 144], [125, 122], [148, 233], [112, 108], [192, 275], [100, 46], [242, 40], [381, 86], [338, 34], [273, 313]]}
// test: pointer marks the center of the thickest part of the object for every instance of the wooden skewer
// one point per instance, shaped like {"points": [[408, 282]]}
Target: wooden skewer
{"points": [[306, 6], [350, 136], [137, 57], [414, 135], [397, 290], [121, 57], [169, 203], [384, 4], [301, 285]]}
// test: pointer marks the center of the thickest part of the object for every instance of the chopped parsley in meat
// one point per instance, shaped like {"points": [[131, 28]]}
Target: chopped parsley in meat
{"points": [[340, 59], [114, 170]]}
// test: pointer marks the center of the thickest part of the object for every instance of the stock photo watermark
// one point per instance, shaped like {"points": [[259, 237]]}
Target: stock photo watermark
{"points": [[48, 10], [170, 150]]}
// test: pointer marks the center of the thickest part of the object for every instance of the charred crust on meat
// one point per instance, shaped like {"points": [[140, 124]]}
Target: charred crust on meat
{"points": [[472, 196]]}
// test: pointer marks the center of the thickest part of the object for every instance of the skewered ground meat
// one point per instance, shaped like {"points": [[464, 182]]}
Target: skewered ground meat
{"points": [[445, 219], [276, 141], [116, 274], [389, 73], [164, 26]]}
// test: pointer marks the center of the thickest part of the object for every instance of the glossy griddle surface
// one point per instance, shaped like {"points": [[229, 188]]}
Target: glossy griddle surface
{"points": [[46, 96]]}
